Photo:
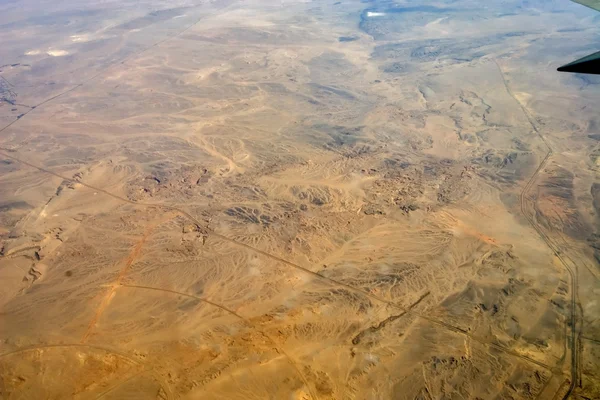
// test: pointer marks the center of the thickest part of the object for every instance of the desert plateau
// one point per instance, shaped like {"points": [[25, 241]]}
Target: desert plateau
{"points": [[298, 199]]}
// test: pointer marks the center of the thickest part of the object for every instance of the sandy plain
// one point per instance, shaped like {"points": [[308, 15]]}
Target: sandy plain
{"points": [[298, 199]]}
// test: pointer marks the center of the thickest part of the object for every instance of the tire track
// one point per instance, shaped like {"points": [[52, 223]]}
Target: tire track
{"points": [[133, 255], [575, 341], [283, 261], [375, 328], [597, 341], [120, 383], [245, 320]]}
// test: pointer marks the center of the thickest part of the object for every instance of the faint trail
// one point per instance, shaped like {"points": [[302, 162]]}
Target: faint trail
{"points": [[591, 269], [133, 255], [575, 336], [543, 389], [118, 384], [105, 69], [37, 105], [375, 328], [245, 320], [491, 344], [597, 341], [210, 149], [227, 310], [6, 80], [3, 151], [52, 346], [281, 260]]}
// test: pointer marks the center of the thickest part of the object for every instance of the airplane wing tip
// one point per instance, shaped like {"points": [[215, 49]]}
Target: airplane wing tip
{"points": [[586, 65], [591, 63]]}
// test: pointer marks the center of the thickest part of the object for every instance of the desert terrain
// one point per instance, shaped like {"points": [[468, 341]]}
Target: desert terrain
{"points": [[226, 199]]}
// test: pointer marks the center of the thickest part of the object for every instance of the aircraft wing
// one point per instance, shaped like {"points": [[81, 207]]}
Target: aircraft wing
{"points": [[594, 4], [589, 64]]}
